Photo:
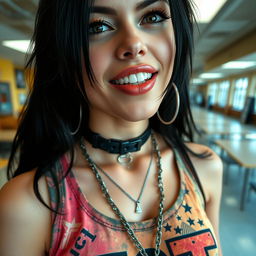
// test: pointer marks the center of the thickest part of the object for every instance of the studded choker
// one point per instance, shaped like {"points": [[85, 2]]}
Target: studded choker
{"points": [[115, 146], [121, 147]]}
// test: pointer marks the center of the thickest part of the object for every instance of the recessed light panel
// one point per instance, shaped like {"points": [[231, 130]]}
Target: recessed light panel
{"points": [[207, 9], [18, 45], [238, 64], [211, 75]]}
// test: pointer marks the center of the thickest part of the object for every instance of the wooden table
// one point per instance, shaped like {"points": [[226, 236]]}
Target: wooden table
{"points": [[204, 114], [227, 128], [244, 153], [215, 119], [7, 135], [212, 123]]}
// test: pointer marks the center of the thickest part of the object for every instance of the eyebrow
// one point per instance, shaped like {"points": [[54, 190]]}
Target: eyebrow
{"points": [[110, 11], [146, 3], [105, 10]]}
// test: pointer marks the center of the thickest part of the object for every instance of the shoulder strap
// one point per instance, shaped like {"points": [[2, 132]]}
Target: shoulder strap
{"points": [[56, 185], [185, 161]]}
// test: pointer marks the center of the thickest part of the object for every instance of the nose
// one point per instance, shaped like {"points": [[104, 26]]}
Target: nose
{"points": [[131, 47]]}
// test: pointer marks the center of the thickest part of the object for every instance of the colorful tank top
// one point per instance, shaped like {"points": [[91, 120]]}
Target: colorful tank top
{"points": [[82, 230]]}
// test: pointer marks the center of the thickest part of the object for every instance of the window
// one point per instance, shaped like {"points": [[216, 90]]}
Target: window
{"points": [[223, 93], [212, 93], [240, 93]]}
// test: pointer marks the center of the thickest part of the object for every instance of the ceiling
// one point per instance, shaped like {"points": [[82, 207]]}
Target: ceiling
{"points": [[234, 20]]}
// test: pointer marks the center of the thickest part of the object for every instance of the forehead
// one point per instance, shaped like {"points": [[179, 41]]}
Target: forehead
{"points": [[121, 7], [137, 3]]}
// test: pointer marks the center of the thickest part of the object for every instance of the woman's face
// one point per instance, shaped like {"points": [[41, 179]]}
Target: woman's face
{"points": [[132, 51]]}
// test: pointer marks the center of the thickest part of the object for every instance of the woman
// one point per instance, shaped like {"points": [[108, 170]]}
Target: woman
{"points": [[106, 161]]}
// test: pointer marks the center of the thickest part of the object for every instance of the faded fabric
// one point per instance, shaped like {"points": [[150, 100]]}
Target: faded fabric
{"points": [[82, 230]]}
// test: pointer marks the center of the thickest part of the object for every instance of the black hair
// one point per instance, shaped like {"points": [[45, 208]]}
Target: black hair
{"points": [[52, 108]]}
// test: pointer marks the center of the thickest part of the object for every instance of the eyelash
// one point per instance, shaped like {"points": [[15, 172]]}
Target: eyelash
{"points": [[101, 22], [160, 12], [98, 22]]}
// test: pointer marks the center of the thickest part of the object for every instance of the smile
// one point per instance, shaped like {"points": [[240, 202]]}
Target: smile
{"points": [[135, 80]]}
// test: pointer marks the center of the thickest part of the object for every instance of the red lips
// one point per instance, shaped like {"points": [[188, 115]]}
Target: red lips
{"points": [[136, 89]]}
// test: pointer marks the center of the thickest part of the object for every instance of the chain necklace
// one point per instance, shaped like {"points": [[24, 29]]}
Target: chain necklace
{"points": [[116, 210], [137, 202]]}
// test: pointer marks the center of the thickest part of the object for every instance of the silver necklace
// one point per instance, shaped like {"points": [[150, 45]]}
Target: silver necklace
{"points": [[137, 202], [116, 210]]}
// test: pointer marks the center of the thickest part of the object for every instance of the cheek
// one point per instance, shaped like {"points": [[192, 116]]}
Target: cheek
{"points": [[167, 50], [100, 58], [164, 49]]}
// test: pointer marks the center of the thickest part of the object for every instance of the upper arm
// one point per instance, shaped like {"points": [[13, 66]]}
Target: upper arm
{"points": [[24, 221], [213, 184], [210, 171], [214, 187]]}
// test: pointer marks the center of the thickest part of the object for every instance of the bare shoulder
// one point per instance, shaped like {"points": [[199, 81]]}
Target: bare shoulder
{"points": [[22, 216], [209, 168], [18, 193], [210, 163]]}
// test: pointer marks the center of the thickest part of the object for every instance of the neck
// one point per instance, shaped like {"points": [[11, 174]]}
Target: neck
{"points": [[116, 128]]}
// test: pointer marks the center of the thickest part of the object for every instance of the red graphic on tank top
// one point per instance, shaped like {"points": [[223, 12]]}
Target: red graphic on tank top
{"points": [[194, 244]]}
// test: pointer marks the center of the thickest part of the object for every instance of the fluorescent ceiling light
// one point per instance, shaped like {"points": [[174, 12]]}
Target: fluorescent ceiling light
{"points": [[210, 75], [197, 81], [238, 64], [18, 45], [250, 136], [205, 10]]}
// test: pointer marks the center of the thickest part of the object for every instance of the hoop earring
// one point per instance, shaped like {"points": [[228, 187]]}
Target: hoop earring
{"points": [[79, 124], [177, 107]]}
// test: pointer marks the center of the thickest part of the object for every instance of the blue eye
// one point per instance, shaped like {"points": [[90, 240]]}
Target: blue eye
{"points": [[98, 27], [155, 17]]}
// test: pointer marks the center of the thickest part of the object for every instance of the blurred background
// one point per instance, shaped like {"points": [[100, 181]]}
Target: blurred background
{"points": [[222, 93]]}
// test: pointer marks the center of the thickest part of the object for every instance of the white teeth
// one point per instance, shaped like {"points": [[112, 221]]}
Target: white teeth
{"points": [[140, 77], [126, 80], [134, 78]]}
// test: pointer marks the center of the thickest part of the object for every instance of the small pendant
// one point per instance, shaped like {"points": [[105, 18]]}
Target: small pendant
{"points": [[125, 159], [138, 208]]}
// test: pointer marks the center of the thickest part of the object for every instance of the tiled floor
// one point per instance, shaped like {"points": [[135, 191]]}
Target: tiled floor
{"points": [[237, 228]]}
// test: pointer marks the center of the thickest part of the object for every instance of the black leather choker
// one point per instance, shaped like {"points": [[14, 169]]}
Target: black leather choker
{"points": [[114, 146]]}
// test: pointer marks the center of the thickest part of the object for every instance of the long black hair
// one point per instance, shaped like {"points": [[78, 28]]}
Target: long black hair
{"points": [[52, 108]]}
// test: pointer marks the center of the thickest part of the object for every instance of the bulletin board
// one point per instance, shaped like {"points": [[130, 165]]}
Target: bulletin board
{"points": [[5, 99], [20, 79]]}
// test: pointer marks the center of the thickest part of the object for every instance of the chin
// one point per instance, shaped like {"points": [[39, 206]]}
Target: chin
{"points": [[139, 115]]}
